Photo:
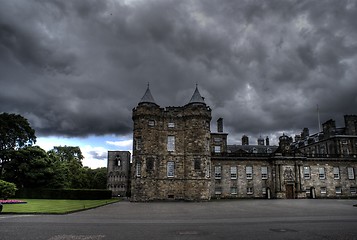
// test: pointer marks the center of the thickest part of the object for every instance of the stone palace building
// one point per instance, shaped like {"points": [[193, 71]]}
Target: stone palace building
{"points": [[177, 157]]}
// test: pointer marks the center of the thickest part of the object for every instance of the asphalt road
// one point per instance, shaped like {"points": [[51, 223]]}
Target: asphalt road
{"points": [[228, 219]]}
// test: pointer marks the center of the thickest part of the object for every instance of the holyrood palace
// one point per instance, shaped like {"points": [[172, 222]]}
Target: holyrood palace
{"points": [[176, 157]]}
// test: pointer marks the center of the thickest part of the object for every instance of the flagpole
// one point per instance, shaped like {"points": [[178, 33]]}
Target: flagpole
{"points": [[318, 117]]}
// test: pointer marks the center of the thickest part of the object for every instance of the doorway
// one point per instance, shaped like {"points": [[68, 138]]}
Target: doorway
{"points": [[289, 191]]}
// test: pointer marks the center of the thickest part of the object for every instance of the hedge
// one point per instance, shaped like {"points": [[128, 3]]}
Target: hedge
{"points": [[75, 194]]}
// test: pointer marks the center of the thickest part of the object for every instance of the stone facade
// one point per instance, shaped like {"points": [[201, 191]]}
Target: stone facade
{"points": [[119, 173], [332, 141], [176, 156], [171, 153], [283, 177]]}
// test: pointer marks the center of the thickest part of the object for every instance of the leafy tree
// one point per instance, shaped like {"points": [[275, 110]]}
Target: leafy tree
{"points": [[30, 167], [97, 178], [68, 153], [7, 189], [15, 133], [59, 179], [71, 159]]}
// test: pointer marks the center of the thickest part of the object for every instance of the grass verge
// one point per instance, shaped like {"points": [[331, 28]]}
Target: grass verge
{"points": [[52, 206]]}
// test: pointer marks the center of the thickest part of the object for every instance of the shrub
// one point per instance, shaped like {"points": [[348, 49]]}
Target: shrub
{"points": [[7, 189]]}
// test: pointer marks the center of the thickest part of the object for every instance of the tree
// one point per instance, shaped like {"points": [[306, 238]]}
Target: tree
{"points": [[71, 157], [68, 153], [7, 189], [15, 133], [30, 167], [97, 178]]}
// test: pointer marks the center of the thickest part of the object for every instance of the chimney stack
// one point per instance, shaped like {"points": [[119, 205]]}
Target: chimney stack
{"points": [[220, 125], [245, 140]]}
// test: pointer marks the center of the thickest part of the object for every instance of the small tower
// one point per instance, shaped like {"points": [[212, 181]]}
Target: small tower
{"points": [[220, 125], [305, 133], [245, 140], [118, 179], [261, 141], [267, 141], [284, 143]]}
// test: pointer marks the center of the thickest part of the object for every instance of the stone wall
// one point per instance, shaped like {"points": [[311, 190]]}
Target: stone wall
{"points": [[171, 153], [285, 178], [118, 168]]}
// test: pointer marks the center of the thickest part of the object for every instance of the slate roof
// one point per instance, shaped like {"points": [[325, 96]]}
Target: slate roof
{"points": [[196, 97], [251, 148], [147, 98]]}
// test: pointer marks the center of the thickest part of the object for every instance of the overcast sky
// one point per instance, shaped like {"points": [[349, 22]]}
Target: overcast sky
{"points": [[75, 69]]}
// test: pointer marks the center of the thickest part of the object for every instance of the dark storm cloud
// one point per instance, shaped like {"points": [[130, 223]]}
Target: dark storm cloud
{"points": [[77, 68]]}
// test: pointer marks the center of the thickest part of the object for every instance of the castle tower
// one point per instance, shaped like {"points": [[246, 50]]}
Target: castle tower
{"points": [[118, 179], [171, 155]]}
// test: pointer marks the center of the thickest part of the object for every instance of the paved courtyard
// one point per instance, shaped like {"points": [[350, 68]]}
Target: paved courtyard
{"points": [[226, 219]]}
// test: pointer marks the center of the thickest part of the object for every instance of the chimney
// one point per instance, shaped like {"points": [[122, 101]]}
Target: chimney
{"points": [[267, 141], [245, 140], [220, 125]]}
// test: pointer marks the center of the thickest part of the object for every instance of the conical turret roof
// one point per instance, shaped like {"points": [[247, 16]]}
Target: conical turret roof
{"points": [[147, 98], [196, 97]]}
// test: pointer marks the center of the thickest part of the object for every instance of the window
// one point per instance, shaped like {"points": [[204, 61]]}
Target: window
{"points": [[249, 172], [117, 161], [138, 144], [170, 143], [322, 150], [322, 173], [218, 190], [255, 150], [217, 172], [171, 124], [249, 190], [264, 172], [234, 172], [217, 149], [353, 190], [217, 139], [336, 173], [264, 190], [138, 169], [234, 190], [197, 164], [170, 169], [338, 190], [351, 173], [323, 190], [149, 164], [307, 172], [151, 123]]}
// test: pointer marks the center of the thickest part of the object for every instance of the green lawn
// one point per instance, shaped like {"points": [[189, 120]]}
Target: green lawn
{"points": [[53, 206]]}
